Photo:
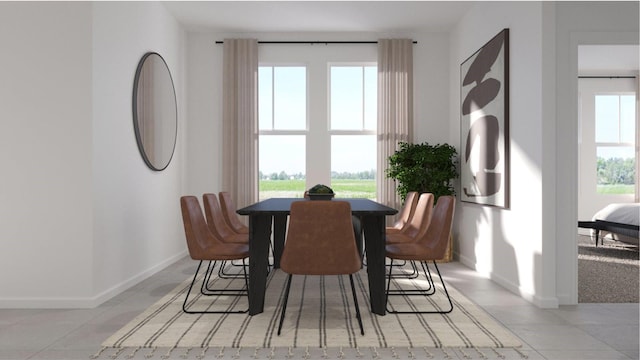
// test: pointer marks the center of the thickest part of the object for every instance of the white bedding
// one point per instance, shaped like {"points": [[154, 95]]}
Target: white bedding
{"points": [[620, 213]]}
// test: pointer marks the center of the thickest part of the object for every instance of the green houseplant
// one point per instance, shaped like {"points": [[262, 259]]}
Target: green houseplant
{"points": [[424, 168]]}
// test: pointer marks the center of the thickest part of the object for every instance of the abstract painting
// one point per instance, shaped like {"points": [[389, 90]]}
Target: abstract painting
{"points": [[484, 128]]}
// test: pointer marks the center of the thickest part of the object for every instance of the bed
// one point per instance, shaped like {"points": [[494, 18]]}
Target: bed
{"points": [[619, 222]]}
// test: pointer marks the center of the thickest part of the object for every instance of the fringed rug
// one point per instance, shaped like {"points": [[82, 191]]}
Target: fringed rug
{"points": [[320, 316]]}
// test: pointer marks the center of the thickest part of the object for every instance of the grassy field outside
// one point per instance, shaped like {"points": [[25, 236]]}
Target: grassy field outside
{"points": [[344, 188], [618, 189]]}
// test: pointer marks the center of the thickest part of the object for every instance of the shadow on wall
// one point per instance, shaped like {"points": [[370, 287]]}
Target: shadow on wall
{"points": [[491, 254]]}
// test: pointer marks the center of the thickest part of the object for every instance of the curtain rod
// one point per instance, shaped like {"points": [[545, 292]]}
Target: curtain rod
{"points": [[314, 42], [607, 77]]}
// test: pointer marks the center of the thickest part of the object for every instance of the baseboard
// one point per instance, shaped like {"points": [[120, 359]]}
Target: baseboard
{"points": [[541, 302], [87, 302]]}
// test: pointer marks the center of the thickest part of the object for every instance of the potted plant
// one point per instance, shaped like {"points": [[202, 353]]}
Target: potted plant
{"points": [[320, 192], [424, 168]]}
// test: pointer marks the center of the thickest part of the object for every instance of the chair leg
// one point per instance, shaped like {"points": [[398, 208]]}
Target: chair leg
{"points": [[355, 302], [224, 275], [445, 290], [284, 303], [425, 292], [236, 292], [209, 273], [207, 277], [432, 286], [184, 304], [414, 273]]}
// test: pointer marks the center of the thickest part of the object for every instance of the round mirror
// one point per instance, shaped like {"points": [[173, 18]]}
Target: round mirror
{"points": [[155, 114]]}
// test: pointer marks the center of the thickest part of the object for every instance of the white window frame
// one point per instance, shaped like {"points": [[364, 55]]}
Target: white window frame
{"points": [[317, 61]]}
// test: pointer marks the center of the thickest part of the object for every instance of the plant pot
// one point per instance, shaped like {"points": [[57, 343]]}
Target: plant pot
{"points": [[321, 196]]}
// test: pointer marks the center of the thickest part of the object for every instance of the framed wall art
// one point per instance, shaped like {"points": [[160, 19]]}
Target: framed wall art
{"points": [[484, 128]]}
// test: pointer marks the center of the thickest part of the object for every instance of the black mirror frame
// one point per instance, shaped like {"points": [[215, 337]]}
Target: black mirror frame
{"points": [[135, 113]]}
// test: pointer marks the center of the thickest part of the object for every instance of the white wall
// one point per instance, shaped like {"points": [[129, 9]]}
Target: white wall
{"points": [[203, 138], [82, 216], [138, 226], [508, 245], [46, 222], [431, 86]]}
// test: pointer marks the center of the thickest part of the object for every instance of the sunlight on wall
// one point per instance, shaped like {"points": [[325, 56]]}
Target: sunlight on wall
{"points": [[507, 246]]}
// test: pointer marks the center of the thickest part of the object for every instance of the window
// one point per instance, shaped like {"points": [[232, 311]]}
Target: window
{"points": [[282, 98], [282, 122], [615, 121], [353, 103], [354, 97], [317, 112]]}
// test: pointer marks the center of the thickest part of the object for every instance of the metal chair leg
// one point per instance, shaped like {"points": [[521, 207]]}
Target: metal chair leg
{"points": [[286, 300], [423, 292], [355, 302], [225, 275], [430, 290], [414, 273], [284, 303], [207, 277], [236, 292]]}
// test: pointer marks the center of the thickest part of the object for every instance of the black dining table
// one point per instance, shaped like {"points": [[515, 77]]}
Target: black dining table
{"points": [[272, 214]]}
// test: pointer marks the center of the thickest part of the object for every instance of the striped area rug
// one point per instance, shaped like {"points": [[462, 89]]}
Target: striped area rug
{"points": [[320, 314]]}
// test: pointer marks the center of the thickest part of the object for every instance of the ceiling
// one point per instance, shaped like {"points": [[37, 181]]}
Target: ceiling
{"points": [[318, 16], [359, 16]]}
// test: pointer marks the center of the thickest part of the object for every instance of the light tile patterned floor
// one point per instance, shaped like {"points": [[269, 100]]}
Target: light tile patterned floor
{"points": [[585, 331]]}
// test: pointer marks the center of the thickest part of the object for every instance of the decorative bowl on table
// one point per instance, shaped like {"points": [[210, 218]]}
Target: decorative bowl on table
{"points": [[320, 192]]}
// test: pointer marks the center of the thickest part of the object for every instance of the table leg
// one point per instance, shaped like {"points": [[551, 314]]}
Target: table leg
{"points": [[259, 238], [374, 230], [279, 231]]}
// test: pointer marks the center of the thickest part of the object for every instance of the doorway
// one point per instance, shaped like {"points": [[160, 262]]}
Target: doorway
{"points": [[607, 167]]}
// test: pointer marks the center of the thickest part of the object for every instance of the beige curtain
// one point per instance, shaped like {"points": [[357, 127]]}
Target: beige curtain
{"points": [[240, 120], [395, 109]]}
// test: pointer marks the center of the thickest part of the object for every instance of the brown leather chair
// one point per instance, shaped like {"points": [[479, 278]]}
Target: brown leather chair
{"points": [[320, 241], [205, 246], [418, 224], [217, 222], [230, 215], [431, 246], [413, 229], [220, 228], [357, 229], [410, 202]]}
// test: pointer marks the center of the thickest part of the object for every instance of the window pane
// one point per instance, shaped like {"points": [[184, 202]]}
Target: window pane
{"points": [[628, 118], [282, 166], [353, 164], [265, 98], [607, 118], [616, 169], [370, 97], [290, 97], [346, 98]]}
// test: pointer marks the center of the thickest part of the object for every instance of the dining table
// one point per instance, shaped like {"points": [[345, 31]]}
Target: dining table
{"points": [[269, 217]]}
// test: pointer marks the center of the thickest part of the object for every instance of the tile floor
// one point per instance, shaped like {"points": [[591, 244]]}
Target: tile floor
{"points": [[585, 331]]}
